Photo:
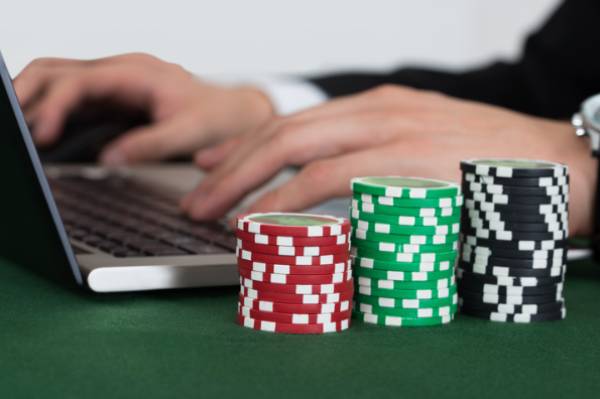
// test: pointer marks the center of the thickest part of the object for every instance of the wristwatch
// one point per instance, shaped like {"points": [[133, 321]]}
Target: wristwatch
{"points": [[587, 124]]}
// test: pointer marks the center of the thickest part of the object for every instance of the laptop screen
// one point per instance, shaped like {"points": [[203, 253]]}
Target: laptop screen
{"points": [[31, 232]]}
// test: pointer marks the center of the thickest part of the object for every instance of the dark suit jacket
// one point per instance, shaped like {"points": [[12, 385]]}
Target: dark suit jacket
{"points": [[559, 68]]}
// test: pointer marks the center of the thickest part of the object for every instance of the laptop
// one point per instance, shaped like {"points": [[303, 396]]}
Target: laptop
{"points": [[111, 230]]}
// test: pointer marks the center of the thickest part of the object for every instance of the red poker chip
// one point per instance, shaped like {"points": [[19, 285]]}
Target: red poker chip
{"points": [[294, 260], [281, 250], [293, 224], [297, 289], [295, 318], [270, 306], [291, 241], [296, 298], [340, 267], [275, 278], [286, 328]]}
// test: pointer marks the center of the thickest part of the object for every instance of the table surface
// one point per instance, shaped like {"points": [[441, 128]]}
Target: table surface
{"points": [[60, 341]]}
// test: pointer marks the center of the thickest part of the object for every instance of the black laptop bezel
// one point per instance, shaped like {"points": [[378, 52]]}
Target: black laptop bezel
{"points": [[53, 215]]}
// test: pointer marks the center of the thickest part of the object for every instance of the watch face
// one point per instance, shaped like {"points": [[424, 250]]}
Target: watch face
{"points": [[596, 117], [591, 112]]}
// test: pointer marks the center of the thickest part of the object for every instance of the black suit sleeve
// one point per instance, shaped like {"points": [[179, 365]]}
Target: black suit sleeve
{"points": [[559, 68]]}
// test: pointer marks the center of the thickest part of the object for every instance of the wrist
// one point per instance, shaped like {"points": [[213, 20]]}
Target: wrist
{"points": [[583, 171], [255, 107]]}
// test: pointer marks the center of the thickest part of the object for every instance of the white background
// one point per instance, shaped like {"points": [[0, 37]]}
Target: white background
{"points": [[260, 37]]}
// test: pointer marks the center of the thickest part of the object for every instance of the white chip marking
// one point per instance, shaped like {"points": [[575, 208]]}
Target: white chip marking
{"points": [[387, 247], [386, 201], [407, 258], [284, 240], [364, 307], [385, 284], [261, 239], [386, 302], [393, 191], [283, 269], [418, 193], [382, 228], [315, 231], [406, 220]]}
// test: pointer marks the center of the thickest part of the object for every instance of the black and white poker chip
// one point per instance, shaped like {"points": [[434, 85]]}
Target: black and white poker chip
{"points": [[519, 245], [520, 182], [478, 297], [495, 252], [502, 270], [515, 317], [511, 191], [475, 278], [539, 209], [483, 260], [504, 199], [516, 216], [533, 308], [514, 235], [477, 223], [504, 290], [514, 168]]}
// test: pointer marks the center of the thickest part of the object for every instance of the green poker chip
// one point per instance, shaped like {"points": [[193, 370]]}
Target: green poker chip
{"points": [[386, 228], [370, 263], [435, 311], [412, 299], [404, 187], [394, 285], [417, 239], [445, 202], [403, 276], [360, 234], [368, 207], [403, 248], [401, 220], [394, 321], [400, 257], [412, 293]]}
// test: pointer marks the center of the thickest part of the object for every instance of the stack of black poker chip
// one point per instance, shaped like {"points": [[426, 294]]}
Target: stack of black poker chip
{"points": [[514, 231]]}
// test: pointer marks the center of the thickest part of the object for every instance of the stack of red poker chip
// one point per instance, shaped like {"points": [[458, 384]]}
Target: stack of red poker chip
{"points": [[295, 273]]}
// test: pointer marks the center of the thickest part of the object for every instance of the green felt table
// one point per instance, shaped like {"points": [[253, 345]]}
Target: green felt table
{"points": [[59, 341]]}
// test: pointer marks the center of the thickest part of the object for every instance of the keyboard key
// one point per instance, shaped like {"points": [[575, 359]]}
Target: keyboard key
{"points": [[127, 218]]}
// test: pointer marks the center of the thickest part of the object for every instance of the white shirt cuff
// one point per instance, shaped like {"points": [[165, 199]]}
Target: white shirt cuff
{"points": [[289, 96]]}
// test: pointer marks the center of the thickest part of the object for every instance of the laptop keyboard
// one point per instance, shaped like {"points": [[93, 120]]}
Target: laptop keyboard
{"points": [[128, 218]]}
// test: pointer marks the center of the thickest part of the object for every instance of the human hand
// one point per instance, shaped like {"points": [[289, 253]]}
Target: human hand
{"points": [[386, 131], [186, 113]]}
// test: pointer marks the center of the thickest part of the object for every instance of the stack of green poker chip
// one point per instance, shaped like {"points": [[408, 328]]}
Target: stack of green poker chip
{"points": [[404, 249]]}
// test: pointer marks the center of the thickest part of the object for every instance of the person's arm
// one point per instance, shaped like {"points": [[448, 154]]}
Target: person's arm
{"points": [[390, 130], [559, 68]]}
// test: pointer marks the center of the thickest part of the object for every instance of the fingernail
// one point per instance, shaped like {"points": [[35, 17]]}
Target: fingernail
{"points": [[198, 213], [113, 158]]}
